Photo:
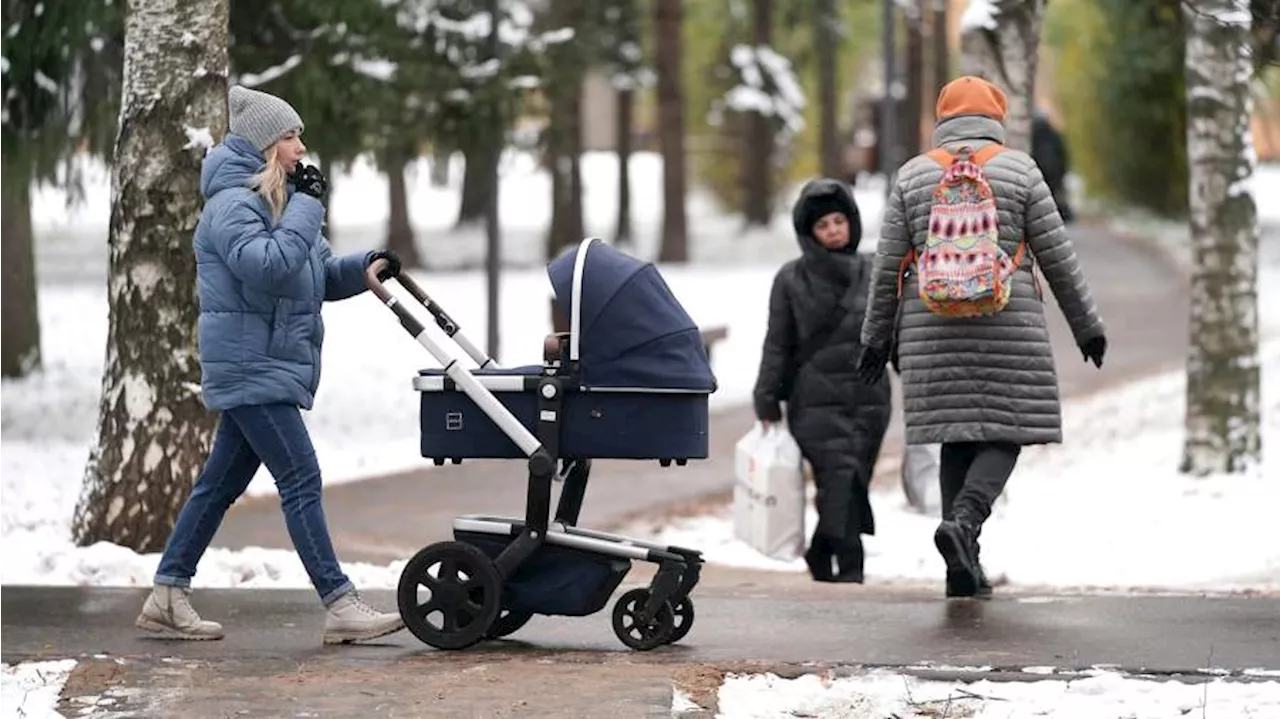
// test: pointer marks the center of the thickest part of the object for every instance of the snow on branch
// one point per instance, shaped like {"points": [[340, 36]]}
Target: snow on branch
{"points": [[250, 79], [979, 15], [768, 86]]}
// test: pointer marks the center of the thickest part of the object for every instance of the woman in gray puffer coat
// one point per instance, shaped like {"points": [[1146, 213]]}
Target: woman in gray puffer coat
{"points": [[984, 386], [816, 309]]}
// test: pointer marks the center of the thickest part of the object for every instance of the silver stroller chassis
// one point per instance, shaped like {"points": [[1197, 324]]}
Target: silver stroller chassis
{"points": [[465, 585]]}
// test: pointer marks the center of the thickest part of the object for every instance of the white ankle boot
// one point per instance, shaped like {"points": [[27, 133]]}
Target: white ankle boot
{"points": [[350, 619], [168, 611]]}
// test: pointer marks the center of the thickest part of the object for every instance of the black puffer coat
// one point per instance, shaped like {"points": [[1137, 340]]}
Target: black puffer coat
{"points": [[838, 421]]}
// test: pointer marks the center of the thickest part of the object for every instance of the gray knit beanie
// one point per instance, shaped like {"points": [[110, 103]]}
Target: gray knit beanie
{"points": [[261, 118]]}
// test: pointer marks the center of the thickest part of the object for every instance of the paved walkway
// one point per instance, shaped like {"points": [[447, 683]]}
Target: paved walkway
{"points": [[272, 663], [380, 520]]}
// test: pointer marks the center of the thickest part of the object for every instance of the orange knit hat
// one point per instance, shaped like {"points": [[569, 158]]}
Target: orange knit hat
{"points": [[971, 95]]}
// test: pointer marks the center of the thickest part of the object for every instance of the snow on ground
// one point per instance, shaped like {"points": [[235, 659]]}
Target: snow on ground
{"points": [[1105, 509], [880, 693], [31, 689]]}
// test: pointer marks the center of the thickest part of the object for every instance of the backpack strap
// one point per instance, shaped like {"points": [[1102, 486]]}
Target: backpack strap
{"points": [[981, 157]]}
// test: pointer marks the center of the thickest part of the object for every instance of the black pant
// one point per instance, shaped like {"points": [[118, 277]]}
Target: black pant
{"points": [[973, 475]]}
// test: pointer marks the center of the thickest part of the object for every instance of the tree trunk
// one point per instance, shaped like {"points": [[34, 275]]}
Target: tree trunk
{"points": [[914, 109], [400, 238], [326, 169], [941, 47], [626, 112], [1223, 378], [668, 21], [440, 158], [757, 169], [826, 40], [20, 349], [566, 170], [153, 431], [1004, 52], [475, 181]]}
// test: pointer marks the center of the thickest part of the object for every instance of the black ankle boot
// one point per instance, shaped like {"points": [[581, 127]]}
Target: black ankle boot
{"points": [[818, 557], [984, 585], [849, 560], [957, 543]]}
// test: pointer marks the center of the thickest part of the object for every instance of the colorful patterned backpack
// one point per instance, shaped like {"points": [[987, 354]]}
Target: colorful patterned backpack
{"points": [[962, 271]]}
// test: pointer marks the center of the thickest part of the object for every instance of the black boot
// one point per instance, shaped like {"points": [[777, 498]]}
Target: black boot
{"points": [[849, 558], [957, 543], [984, 585], [818, 557]]}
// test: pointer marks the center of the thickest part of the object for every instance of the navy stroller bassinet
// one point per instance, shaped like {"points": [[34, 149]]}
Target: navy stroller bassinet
{"points": [[640, 375]]}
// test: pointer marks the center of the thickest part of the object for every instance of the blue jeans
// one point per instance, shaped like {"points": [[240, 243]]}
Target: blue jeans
{"points": [[248, 437]]}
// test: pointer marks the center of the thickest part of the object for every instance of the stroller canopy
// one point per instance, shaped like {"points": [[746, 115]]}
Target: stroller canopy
{"points": [[631, 331]]}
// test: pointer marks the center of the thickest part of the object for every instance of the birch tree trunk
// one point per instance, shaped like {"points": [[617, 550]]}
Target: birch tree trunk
{"points": [[999, 42], [1223, 379], [153, 431]]}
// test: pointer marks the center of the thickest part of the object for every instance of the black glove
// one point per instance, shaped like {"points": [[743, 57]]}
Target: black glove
{"points": [[310, 181], [893, 360], [1093, 349], [393, 264], [871, 364]]}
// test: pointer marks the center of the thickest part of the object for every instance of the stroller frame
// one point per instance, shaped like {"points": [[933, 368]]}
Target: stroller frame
{"points": [[470, 583]]}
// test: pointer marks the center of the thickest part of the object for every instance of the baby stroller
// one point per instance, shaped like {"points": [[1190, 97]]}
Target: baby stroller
{"points": [[630, 380]]}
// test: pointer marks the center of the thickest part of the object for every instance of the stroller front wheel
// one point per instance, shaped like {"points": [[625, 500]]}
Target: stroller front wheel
{"points": [[449, 595], [683, 614], [637, 632]]}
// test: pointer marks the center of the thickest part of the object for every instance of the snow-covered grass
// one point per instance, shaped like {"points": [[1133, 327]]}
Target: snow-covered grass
{"points": [[1173, 236], [31, 689], [1108, 508], [883, 693]]}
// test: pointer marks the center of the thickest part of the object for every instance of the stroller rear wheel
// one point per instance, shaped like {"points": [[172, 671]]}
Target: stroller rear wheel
{"points": [[462, 595], [636, 632], [508, 622]]}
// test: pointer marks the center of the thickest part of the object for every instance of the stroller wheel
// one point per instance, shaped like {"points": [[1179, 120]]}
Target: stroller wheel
{"points": [[449, 595], [508, 622], [683, 614], [639, 634]]}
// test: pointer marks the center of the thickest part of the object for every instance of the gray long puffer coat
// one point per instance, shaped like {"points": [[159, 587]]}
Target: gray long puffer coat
{"points": [[988, 378], [838, 421]]}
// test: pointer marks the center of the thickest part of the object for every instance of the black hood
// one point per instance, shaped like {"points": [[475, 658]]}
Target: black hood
{"points": [[818, 198]]}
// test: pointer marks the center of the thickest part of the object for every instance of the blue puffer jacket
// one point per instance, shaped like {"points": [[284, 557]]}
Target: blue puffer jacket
{"points": [[261, 285]]}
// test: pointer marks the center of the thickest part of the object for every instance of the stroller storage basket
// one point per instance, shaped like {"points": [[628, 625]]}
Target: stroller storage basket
{"points": [[636, 424], [555, 580]]}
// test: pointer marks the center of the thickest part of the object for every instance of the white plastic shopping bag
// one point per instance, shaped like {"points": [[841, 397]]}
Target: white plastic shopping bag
{"points": [[920, 466], [768, 492]]}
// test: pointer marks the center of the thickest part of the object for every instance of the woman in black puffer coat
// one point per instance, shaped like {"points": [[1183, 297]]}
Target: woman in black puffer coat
{"points": [[816, 309]]}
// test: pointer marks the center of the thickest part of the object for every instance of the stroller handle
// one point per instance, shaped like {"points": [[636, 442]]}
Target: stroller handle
{"points": [[379, 271], [375, 276]]}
